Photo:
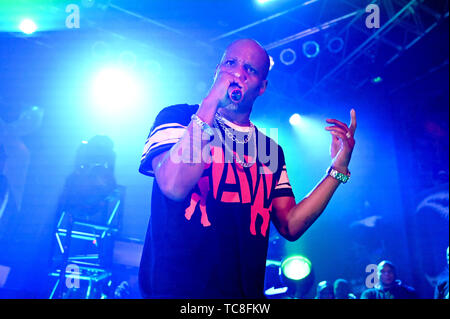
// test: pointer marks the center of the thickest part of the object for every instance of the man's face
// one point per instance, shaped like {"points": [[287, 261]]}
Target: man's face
{"points": [[387, 275], [247, 61]]}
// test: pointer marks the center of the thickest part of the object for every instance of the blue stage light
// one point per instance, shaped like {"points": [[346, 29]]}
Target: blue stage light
{"points": [[288, 56], [377, 80], [27, 26], [311, 49]]}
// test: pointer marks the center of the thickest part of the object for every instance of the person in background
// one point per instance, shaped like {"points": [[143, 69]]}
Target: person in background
{"points": [[324, 291], [441, 290], [342, 290], [388, 286], [8, 207]]}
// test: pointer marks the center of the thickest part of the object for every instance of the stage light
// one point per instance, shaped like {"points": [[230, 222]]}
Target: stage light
{"points": [[275, 291], [115, 90], [377, 80], [297, 274], [27, 26], [295, 119], [335, 45], [311, 49], [288, 56], [263, 1], [296, 267]]}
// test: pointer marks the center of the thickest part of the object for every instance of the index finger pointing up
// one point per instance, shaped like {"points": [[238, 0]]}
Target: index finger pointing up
{"points": [[352, 126]]}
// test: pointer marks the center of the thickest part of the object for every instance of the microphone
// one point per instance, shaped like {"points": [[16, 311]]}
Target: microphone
{"points": [[235, 93]]}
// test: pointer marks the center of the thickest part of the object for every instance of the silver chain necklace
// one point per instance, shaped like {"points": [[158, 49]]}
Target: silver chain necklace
{"points": [[219, 120], [231, 135]]}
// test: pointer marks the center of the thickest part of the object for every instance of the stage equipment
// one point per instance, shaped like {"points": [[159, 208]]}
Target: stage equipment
{"points": [[88, 220], [311, 49], [288, 56], [297, 274], [27, 26], [295, 119]]}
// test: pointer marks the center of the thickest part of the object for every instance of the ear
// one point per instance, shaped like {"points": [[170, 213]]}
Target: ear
{"points": [[263, 87]]}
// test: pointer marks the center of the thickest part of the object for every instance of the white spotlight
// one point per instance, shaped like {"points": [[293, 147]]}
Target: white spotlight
{"points": [[27, 26], [115, 90], [295, 119]]}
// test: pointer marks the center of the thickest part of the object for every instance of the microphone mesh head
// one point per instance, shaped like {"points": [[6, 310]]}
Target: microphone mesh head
{"points": [[236, 95]]}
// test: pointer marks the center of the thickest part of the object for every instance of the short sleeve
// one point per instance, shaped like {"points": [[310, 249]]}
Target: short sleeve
{"points": [[169, 126], [283, 186]]}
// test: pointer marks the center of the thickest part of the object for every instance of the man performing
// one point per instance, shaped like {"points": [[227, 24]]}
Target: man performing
{"points": [[219, 181]]}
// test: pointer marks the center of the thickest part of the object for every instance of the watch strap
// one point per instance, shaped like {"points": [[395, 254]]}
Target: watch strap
{"points": [[343, 178]]}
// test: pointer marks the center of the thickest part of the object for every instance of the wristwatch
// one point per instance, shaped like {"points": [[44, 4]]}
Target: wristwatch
{"points": [[343, 178]]}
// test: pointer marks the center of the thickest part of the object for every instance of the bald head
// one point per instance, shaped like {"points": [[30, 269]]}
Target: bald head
{"points": [[257, 51]]}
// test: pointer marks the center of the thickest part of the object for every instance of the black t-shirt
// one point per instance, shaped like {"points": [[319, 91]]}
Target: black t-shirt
{"points": [[214, 243], [397, 291]]}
